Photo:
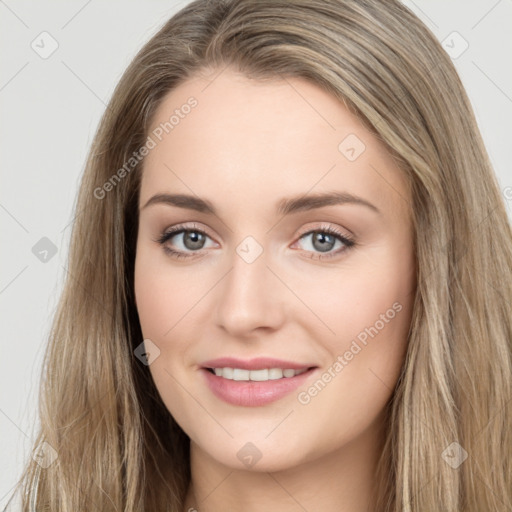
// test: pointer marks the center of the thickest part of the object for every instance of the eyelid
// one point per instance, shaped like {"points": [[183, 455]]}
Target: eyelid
{"points": [[176, 228], [326, 226]]}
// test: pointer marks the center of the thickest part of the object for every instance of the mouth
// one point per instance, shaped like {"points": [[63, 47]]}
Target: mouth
{"points": [[261, 375], [254, 388]]}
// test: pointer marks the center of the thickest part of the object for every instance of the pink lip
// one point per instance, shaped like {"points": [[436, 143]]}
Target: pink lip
{"points": [[253, 393], [258, 363]]}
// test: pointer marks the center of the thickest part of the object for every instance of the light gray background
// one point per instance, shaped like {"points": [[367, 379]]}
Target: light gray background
{"points": [[49, 112]]}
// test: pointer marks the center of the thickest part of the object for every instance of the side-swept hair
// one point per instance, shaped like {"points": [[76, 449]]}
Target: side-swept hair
{"points": [[118, 448]]}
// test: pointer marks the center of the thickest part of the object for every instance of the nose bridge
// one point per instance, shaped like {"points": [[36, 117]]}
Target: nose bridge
{"points": [[249, 296]]}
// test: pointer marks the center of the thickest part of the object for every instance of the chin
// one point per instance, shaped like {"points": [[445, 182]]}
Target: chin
{"points": [[258, 456]]}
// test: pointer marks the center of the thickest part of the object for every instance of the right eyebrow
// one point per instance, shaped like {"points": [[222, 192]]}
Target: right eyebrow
{"points": [[182, 201]]}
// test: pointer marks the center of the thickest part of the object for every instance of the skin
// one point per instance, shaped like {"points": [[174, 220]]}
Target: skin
{"points": [[244, 147]]}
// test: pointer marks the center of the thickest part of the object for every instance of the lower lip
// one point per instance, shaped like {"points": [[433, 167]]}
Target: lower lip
{"points": [[253, 393]]}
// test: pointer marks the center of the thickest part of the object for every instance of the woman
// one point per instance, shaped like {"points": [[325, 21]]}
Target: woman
{"points": [[341, 338]]}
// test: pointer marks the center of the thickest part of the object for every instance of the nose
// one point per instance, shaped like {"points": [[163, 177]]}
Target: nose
{"points": [[250, 297]]}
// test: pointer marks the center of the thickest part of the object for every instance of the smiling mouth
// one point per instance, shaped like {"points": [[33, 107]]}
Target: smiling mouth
{"points": [[262, 375], [255, 388]]}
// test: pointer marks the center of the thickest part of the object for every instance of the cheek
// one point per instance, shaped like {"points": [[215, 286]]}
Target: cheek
{"points": [[367, 308], [152, 301], [360, 302], [168, 302], [363, 368], [162, 318], [162, 297]]}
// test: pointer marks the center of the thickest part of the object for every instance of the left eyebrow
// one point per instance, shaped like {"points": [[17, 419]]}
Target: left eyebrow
{"points": [[285, 206], [310, 202]]}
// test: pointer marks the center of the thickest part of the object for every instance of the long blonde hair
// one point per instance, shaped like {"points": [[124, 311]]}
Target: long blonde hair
{"points": [[116, 445]]}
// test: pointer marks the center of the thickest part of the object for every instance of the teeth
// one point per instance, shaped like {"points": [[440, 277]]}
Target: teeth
{"points": [[256, 375], [240, 374], [228, 374], [275, 373]]}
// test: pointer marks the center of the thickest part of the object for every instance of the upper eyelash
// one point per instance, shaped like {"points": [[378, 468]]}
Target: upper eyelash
{"points": [[175, 230], [164, 237]]}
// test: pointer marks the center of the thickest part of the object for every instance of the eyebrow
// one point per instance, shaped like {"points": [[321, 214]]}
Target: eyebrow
{"points": [[284, 207]]}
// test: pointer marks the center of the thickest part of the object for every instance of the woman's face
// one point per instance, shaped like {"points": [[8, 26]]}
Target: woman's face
{"points": [[293, 243]]}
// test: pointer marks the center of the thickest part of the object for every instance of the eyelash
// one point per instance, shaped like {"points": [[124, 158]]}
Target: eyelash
{"points": [[167, 235]]}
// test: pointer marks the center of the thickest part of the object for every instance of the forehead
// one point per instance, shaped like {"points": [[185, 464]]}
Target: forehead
{"points": [[230, 135]]}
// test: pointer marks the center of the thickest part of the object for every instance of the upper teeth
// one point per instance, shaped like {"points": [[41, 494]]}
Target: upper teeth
{"points": [[260, 375]]}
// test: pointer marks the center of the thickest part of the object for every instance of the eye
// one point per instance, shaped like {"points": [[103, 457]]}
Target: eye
{"points": [[191, 239], [188, 239], [324, 239]]}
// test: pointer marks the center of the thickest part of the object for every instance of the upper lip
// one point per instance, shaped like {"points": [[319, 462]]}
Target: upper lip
{"points": [[258, 363]]}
